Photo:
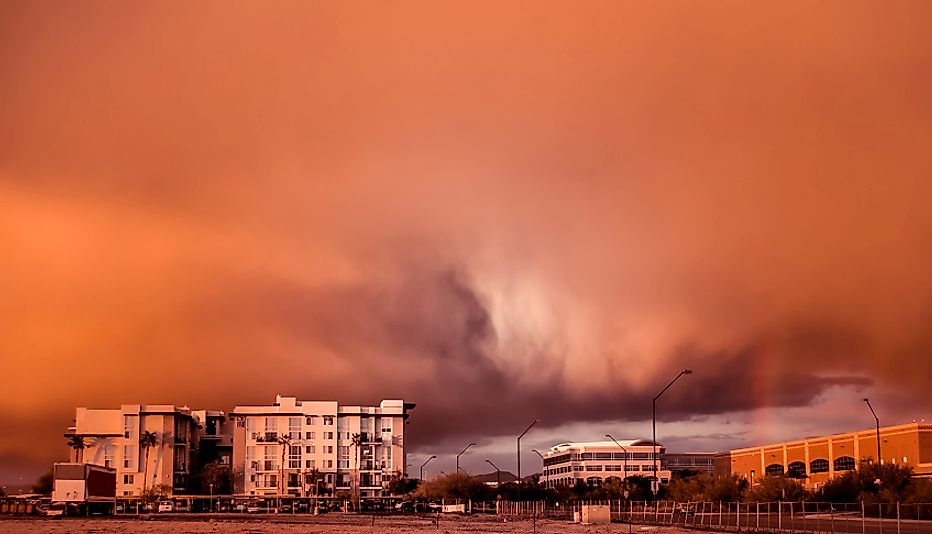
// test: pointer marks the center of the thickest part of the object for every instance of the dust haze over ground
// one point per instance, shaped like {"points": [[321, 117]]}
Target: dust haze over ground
{"points": [[497, 213]]}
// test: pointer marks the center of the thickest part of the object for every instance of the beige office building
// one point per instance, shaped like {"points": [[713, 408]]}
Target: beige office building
{"points": [[111, 439], [594, 462], [818, 459], [307, 448]]}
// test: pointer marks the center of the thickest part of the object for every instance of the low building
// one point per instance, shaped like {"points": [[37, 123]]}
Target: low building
{"points": [[594, 462], [111, 438], [818, 459], [689, 462], [305, 448]]}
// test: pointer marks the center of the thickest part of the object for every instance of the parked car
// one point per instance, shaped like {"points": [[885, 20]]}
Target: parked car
{"points": [[404, 506], [166, 506]]}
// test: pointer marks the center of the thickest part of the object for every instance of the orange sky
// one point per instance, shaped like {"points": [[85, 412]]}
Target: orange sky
{"points": [[549, 206]]}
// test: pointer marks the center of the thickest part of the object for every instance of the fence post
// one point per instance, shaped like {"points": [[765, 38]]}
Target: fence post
{"points": [[863, 518], [897, 517], [831, 516]]}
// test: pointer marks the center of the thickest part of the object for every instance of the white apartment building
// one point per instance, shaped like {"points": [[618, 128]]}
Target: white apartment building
{"points": [[594, 462], [307, 448], [111, 438]]}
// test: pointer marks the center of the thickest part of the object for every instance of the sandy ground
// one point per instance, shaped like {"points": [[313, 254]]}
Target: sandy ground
{"points": [[320, 525]]}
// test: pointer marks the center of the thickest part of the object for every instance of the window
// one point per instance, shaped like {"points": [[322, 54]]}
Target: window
{"points": [[594, 468], [109, 456], [818, 466], [271, 424], [844, 463], [774, 469], [294, 427], [128, 479], [310, 449], [328, 420], [328, 435], [796, 470], [130, 423], [128, 451], [310, 420], [309, 435], [387, 425], [310, 464], [329, 466], [294, 457], [250, 453], [594, 481]]}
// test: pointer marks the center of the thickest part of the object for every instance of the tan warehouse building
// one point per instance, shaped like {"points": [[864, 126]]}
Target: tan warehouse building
{"points": [[816, 460]]}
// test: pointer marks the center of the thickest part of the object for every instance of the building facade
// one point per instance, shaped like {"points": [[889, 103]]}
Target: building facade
{"points": [[305, 448], [111, 439], [816, 460], [594, 462], [689, 462]]}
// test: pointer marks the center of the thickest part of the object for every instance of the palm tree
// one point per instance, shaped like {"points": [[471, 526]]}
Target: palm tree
{"points": [[357, 440], [285, 441], [146, 441], [77, 443]]}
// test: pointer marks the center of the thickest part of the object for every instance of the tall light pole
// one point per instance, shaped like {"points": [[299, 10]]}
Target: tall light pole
{"points": [[425, 463], [624, 477], [519, 446], [537, 452], [460, 454], [654, 427], [498, 473], [877, 421]]}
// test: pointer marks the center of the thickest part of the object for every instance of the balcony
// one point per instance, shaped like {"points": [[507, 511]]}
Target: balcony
{"points": [[265, 437], [265, 465]]}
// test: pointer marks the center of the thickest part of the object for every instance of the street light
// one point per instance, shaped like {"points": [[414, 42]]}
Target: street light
{"points": [[625, 458], [425, 463], [519, 446], [460, 454], [538, 453], [211, 497], [654, 427], [877, 421], [498, 473]]}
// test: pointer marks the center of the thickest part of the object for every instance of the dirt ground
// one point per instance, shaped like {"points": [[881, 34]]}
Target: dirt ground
{"points": [[319, 525]]}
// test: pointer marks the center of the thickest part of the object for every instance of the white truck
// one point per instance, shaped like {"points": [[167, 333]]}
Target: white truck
{"points": [[84, 489]]}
